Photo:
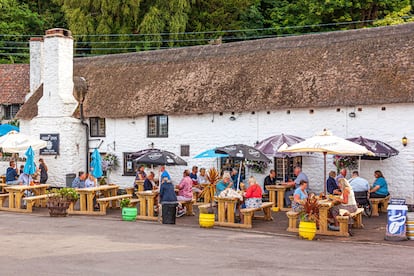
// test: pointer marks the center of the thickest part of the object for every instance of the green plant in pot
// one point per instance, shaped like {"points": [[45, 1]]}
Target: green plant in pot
{"points": [[129, 213], [309, 218], [59, 201]]}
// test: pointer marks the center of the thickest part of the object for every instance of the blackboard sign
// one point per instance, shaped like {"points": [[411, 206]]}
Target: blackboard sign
{"points": [[52, 147]]}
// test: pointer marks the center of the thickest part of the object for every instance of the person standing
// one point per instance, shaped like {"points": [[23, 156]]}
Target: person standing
{"points": [[43, 171], [11, 174]]}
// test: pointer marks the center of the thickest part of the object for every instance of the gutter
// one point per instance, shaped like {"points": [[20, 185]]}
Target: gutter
{"points": [[82, 118]]}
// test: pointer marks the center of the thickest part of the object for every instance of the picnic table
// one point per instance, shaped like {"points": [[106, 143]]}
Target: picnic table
{"points": [[87, 195], [16, 194], [146, 204], [280, 191]]}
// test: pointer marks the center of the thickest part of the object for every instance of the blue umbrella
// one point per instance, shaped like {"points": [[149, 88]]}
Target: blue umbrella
{"points": [[210, 154], [30, 166], [96, 164], [6, 128]]}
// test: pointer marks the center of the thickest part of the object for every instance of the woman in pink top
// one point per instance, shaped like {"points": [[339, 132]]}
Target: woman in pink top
{"points": [[185, 187]]}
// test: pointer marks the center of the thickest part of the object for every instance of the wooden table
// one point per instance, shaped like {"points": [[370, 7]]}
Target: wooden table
{"points": [[87, 195], [146, 204], [16, 193], [226, 218], [2, 179], [140, 185], [279, 200]]}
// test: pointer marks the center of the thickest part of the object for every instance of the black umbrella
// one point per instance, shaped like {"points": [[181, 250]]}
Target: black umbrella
{"points": [[245, 152], [159, 157], [380, 149], [271, 145]]}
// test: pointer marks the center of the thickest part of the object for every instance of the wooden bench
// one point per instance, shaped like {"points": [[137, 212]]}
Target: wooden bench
{"points": [[248, 213], [31, 200], [376, 201], [344, 221], [104, 201], [293, 218], [134, 201], [2, 198], [188, 204]]}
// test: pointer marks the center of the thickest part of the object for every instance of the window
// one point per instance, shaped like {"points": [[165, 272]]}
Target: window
{"points": [[10, 111], [157, 126], [97, 127], [185, 150], [129, 165], [290, 164]]}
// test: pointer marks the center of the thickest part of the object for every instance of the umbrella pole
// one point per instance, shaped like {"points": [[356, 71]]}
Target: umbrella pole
{"points": [[324, 173], [359, 164], [284, 171], [238, 177]]}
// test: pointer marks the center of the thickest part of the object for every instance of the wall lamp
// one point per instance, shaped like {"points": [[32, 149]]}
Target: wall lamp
{"points": [[352, 114], [404, 141], [232, 118]]}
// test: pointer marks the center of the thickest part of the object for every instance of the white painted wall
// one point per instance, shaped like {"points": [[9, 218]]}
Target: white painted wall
{"points": [[36, 65], [206, 131]]}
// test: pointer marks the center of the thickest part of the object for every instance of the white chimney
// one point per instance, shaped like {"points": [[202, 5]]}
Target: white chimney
{"points": [[58, 99], [36, 64]]}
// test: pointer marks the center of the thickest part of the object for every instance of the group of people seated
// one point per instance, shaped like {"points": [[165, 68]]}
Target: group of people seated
{"points": [[84, 180], [19, 177]]}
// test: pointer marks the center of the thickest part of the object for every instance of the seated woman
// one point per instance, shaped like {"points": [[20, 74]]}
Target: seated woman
{"points": [[185, 188], [224, 183], [90, 181], [253, 194], [380, 186], [299, 197], [331, 186], [346, 202]]}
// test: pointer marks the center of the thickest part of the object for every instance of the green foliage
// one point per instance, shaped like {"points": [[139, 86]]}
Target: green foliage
{"points": [[68, 194], [125, 202]]}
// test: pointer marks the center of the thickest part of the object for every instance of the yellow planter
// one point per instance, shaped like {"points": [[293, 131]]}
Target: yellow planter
{"points": [[307, 230], [206, 220]]}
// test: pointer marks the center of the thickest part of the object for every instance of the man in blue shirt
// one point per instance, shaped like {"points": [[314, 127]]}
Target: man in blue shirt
{"points": [[11, 174], [358, 183], [164, 174], [295, 184], [79, 182]]}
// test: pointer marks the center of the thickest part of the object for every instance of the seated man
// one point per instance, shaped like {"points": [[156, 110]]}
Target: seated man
{"points": [[331, 186], [11, 174], [358, 183], [295, 184], [149, 182], [25, 179], [269, 180], [79, 181]]}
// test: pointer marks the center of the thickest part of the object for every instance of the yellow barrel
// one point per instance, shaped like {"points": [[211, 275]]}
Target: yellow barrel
{"points": [[206, 220], [307, 230], [410, 225]]}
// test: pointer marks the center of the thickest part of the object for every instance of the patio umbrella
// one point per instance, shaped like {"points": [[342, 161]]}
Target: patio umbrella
{"points": [[380, 149], [6, 128], [271, 145], [29, 166], [325, 143], [17, 142], [96, 164], [244, 152], [211, 153], [160, 157]]}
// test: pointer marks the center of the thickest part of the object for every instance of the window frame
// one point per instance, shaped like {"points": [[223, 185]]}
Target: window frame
{"points": [[157, 126], [96, 120], [125, 159]]}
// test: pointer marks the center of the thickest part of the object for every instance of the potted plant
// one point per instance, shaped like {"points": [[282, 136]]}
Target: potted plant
{"points": [[309, 218], [59, 200], [206, 216], [129, 213]]}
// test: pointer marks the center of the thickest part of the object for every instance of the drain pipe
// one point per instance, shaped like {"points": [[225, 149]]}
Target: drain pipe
{"points": [[86, 133]]}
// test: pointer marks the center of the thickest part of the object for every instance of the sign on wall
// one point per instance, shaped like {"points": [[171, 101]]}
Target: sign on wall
{"points": [[52, 147]]}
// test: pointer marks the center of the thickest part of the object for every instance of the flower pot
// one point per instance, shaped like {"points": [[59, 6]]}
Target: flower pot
{"points": [[58, 208], [206, 220], [129, 214], [307, 229]]}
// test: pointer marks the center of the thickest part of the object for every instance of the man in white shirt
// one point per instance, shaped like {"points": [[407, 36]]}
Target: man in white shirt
{"points": [[358, 183]]}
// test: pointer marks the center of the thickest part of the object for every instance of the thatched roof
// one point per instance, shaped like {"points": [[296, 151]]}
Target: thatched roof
{"points": [[348, 68], [358, 67], [14, 83], [29, 110]]}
